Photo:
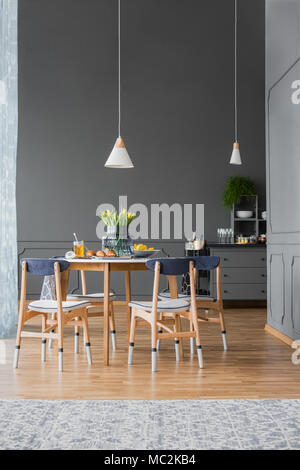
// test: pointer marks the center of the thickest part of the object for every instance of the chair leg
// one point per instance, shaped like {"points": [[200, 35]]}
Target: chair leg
{"points": [[159, 331], [76, 342], [60, 359], [224, 340], [18, 340], [158, 341], [16, 356], [112, 326], [44, 341], [50, 342], [176, 342], [177, 350], [198, 342], [88, 353], [223, 330], [192, 340], [60, 347], [76, 339], [200, 356], [87, 338], [154, 349], [178, 328], [131, 338]]}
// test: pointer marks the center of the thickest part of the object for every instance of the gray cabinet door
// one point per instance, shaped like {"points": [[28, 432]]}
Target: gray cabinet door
{"points": [[244, 275], [243, 291], [242, 257], [283, 165]]}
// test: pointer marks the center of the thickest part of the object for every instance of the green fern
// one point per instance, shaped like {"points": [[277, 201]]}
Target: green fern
{"points": [[236, 187]]}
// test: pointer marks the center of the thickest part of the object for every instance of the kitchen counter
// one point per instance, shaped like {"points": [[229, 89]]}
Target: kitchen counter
{"points": [[235, 245], [243, 271]]}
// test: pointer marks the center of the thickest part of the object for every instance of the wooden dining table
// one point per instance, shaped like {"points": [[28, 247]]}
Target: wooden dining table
{"points": [[107, 265]]}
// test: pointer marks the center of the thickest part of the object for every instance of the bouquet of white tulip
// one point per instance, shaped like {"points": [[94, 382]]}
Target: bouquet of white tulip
{"points": [[117, 230]]}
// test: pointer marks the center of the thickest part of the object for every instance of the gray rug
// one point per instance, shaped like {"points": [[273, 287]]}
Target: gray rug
{"points": [[152, 425]]}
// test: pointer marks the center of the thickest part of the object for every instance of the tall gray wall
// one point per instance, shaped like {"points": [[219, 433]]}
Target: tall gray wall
{"points": [[177, 109], [283, 165]]}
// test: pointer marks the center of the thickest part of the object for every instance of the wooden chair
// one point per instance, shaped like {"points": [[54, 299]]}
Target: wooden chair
{"points": [[166, 314], [96, 309], [70, 313], [206, 263]]}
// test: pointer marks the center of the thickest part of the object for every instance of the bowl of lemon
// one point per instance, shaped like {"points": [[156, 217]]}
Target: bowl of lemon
{"points": [[142, 251]]}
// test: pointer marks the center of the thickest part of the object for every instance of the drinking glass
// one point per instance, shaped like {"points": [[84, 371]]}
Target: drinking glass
{"points": [[78, 248]]}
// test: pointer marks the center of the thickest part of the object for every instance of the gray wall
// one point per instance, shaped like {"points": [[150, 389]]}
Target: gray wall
{"points": [[283, 165], [177, 99]]}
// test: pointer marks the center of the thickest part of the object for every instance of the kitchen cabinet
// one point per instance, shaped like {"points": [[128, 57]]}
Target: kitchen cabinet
{"points": [[243, 271]]}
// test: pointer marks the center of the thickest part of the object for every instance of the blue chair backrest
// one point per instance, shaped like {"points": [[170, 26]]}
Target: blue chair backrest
{"points": [[44, 266], [205, 263], [170, 266]]}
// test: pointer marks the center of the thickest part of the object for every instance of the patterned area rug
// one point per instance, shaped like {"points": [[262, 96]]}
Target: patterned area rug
{"points": [[151, 425]]}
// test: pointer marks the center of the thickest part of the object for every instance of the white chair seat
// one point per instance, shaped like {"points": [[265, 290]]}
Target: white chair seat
{"points": [[50, 306], [167, 295], [173, 305], [97, 297]]}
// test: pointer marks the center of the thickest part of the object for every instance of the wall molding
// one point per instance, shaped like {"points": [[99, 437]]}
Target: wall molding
{"points": [[283, 285], [21, 253], [292, 292], [269, 151]]}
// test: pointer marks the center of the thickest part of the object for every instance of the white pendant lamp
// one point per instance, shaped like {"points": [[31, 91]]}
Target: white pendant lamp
{"points": [[119, 157], [235, 156]]}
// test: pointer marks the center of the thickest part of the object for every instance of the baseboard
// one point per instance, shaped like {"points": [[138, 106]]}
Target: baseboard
{"points": [[116, 302], [245, 303], [278, 335]]}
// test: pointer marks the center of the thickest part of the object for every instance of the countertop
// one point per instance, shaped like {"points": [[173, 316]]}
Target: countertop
{"points": [[235, 245]]}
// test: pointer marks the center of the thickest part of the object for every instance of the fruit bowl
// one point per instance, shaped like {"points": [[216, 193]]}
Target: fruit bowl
{"points": [[244, 214], [144, 253]]}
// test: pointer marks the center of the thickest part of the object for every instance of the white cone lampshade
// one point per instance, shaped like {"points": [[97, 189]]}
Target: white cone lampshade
{"points": [[235, 156], [119, 157]]}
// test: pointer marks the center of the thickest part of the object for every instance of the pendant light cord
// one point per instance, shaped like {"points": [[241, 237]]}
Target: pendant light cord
{"points": [[119, 65], [235, 72]]}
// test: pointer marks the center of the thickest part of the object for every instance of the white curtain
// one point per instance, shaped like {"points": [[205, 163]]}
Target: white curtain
{"points": [[8, 150]]}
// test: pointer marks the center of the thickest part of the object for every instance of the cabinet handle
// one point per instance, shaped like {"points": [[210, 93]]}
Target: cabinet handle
{"points": [[263, 275], [225, 275], [263, 259], [225, 291], [263, 291], [225, 259]]}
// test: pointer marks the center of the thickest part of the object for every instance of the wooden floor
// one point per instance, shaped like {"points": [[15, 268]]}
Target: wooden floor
{"points": [[255, 366]]}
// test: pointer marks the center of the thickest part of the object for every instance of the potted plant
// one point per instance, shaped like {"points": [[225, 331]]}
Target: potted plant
{"points": [[236, 187]]}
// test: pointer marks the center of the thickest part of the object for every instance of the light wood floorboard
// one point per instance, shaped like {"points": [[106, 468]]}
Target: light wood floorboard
{"points": [[255, 366]]}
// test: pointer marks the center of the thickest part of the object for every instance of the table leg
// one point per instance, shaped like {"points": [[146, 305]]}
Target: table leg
{"points": [[106, 314], [174, 295], [64, 279], [128, 299]]}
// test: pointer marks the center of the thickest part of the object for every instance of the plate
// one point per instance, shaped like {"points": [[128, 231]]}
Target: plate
{"points": [[144, 253]]}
